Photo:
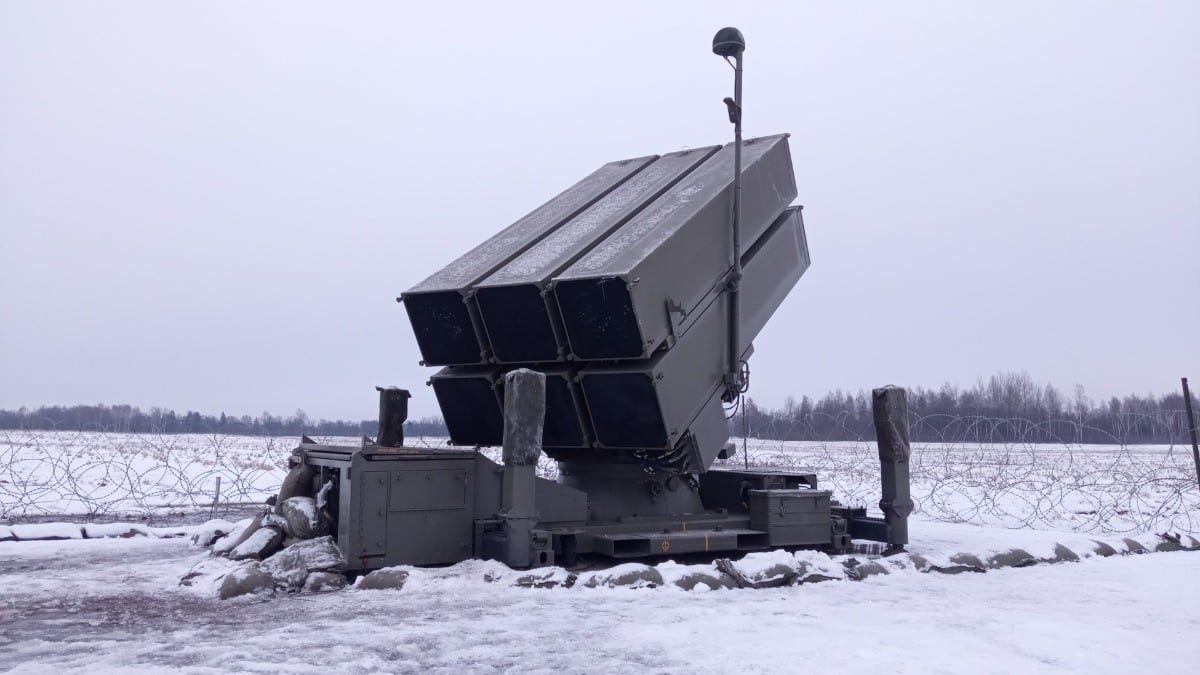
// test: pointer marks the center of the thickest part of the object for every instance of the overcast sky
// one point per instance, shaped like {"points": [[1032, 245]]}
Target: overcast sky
{"points": [[212, 206]]}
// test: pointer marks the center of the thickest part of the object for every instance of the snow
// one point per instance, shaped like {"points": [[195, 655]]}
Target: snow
{"points": [[209, 531], [97, 530], [312, 555], [672, 571], [226, 543], [113, 605], [307, 506], [755, 565], [55, 531], [205, 577], [300, 517], [323, 494], [255, 544], [48, 531]]}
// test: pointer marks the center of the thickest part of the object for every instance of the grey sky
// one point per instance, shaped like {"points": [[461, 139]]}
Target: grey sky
{"points": [[213, 206]]}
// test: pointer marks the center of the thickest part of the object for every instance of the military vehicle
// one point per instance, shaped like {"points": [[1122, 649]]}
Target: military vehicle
{"points": [[610, 329]]}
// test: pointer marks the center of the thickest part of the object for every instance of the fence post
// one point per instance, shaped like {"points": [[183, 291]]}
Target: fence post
{"points": [[212, 513], [1187, 405]]}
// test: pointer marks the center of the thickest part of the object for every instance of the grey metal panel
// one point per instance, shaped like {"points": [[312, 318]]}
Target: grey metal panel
{"points": [[566, 424], [873, 529], [348, 533], [519, 322], [613, 299], [559, 504], [430, 490], [653, 403], [372, 489], [792, 517], [429, 537], [377, 453], [707, 434], [570, 241], [670, 543], [470, 404], [431, 512], [514, 239], [779, 259], [727, 488], [487, 487], [615, 490], [445, 328]]}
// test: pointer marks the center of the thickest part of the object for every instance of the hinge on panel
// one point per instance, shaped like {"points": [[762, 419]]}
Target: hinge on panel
{"points": [[676, 315]]}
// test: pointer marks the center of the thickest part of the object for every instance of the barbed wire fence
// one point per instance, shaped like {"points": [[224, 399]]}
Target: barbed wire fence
{"points": [[964, 470], [1004, 471]]}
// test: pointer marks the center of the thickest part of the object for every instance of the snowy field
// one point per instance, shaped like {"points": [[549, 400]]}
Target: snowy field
{"points": [[114, 606], [1078, 488]]}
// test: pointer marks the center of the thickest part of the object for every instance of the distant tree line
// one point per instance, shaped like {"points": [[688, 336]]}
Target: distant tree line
{"points": [[1008, 407], [132, 419]]}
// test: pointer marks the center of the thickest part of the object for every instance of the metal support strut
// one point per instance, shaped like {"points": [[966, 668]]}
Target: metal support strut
{"points": [[890, 410], [524, 412], [727, 43]]}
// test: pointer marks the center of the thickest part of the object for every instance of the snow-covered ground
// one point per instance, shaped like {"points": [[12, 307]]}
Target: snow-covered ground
{"points": [[113, 606], [1081, 488]]}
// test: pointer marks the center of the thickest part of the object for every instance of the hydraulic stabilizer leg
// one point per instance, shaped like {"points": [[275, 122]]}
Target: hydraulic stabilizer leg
{"points": [[890, 407], [524, 414]]}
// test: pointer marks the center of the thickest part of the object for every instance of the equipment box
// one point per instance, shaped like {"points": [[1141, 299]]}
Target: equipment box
{"points": [[791, 517]]}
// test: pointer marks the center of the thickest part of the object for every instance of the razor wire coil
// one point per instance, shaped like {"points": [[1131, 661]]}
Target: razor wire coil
{"points": [[974, 474]]}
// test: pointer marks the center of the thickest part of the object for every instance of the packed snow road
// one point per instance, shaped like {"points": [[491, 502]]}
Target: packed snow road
{"points": [[114, 606]]}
